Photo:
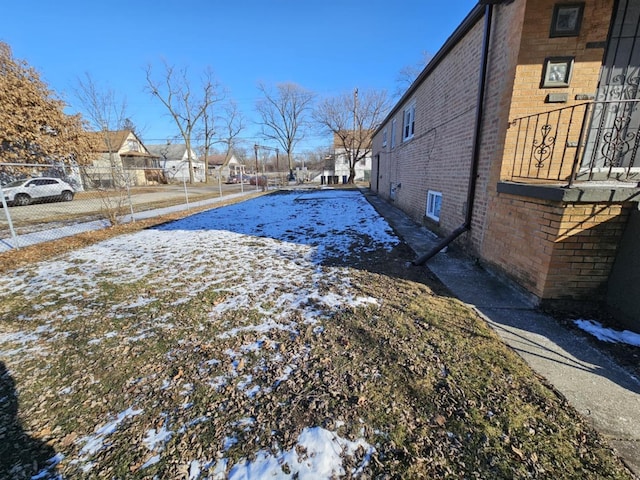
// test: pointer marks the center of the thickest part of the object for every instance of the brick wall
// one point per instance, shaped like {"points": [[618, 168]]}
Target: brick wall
{"points": [[536, 45], [555, 250], [439, 156]]}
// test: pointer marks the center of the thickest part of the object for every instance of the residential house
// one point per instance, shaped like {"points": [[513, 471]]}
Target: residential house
{"points": [[221, 167], [519, 142], [336, 169], [120, 159], [174, 161]]}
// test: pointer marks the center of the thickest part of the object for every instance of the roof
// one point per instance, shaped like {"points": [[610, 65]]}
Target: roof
{"points": [[168, 151], [217, 159], [221, 159], [467, 24], [110, 141], [113, 141]]}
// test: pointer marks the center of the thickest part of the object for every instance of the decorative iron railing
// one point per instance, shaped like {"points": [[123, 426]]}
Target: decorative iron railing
{"points": [[591, 141]]}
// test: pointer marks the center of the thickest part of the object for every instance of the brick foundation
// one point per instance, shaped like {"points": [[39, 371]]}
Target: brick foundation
{"points": [[555, 250]]}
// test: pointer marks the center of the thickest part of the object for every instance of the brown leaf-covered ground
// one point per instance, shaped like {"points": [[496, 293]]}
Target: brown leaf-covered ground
{"points": [[200, 350]]}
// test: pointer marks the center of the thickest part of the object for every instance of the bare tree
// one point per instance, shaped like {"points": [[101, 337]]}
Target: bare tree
{"points": [[234, 124], [186, 105], [230, 123], [102, 108], [34, 126], [284, 115], [352, 118], [106, 113], [407, 75]]}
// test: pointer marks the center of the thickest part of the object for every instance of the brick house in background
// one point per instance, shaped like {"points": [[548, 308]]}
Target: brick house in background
{"points": [[519, 142]]}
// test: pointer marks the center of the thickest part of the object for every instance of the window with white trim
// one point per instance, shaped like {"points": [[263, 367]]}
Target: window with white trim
{"points": [[384, 137], [393, 133], [434, 202], [409, 122]]}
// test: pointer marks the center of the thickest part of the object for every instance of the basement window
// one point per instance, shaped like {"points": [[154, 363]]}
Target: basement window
{"points": [[434, 202]]}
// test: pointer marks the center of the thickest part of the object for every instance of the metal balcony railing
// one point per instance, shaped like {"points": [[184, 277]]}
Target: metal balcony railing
{"points": [[592, 141]]}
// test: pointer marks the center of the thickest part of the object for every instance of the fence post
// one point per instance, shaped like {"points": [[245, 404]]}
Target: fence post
{"points": [[133, 220], [8, 215], [186, 193]]}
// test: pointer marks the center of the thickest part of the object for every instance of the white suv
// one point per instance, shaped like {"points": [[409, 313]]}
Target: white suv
{"points": [[28, 190]]}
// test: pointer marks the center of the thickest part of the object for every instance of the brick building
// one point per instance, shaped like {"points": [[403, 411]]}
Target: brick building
{"points": [[518, 141]]}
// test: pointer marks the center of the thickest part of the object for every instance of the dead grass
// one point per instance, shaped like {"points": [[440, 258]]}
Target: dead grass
{"points": [[418, 375]]}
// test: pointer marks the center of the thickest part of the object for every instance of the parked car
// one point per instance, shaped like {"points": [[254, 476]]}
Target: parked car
{"points": [[262, 180], [40, 189], [236, 179]]}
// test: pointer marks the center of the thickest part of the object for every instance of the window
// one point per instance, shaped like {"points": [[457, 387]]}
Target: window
{"points": [[434, 202], [557, 72], [567, 19], [384, 137], [409, 123], [393, 133]]}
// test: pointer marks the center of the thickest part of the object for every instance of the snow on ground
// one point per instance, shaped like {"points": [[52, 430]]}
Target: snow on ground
{"points": [[608, 334], [288, 236]]}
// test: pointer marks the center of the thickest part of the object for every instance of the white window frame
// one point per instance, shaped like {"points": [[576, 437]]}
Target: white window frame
{"points": [[408, 122], [431, 205], [393, 133]]}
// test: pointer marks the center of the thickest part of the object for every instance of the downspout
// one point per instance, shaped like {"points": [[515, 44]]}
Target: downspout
{"points": [[471, 189]]}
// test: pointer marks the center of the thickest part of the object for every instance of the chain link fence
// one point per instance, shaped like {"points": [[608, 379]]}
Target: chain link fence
{"points": [[47, 202]]}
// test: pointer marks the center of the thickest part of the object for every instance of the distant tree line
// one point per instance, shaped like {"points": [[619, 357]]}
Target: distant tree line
{"points": [[35, 128]]}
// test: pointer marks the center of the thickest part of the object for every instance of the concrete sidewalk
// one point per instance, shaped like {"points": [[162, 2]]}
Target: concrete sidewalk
{"points": [[604, 393], [33, 238]]}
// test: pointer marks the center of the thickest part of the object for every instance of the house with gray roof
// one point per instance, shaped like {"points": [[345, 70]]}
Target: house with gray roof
{"points": [[174, 161]]}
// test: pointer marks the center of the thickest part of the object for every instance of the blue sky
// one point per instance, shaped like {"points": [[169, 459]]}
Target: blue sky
{"points": [[326, 46]]}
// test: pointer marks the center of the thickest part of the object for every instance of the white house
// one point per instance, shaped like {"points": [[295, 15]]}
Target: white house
{"points": [[174, 161], [222, 168], [337, 169]]}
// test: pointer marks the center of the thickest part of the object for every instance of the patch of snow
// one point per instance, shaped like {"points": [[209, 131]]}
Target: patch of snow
{"points": [[317, 455], [229, 442], [194, 470], [608, 334], [152, 461], [267, 231], [157, 437], [93, 443]]}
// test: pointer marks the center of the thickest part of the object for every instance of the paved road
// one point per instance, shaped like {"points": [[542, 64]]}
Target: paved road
{"points": [[90, 204]]}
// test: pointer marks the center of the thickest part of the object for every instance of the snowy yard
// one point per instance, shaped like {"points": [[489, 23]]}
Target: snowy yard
{"points": [[274, 338]]}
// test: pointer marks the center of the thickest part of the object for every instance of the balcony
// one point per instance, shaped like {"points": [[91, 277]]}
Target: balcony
{"points": [[593, 143]]}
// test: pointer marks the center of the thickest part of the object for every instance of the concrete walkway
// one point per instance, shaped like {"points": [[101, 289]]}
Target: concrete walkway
{"points": [[604, 393]]}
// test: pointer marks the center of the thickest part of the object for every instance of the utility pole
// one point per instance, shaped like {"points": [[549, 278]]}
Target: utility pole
{"points": [[255, 149], [352, 162]]}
